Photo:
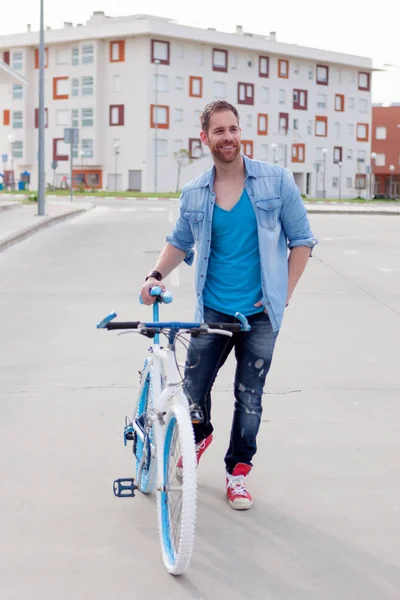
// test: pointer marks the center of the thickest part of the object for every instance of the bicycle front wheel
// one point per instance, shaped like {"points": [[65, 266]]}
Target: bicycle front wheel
{"points": [[177, 497]]}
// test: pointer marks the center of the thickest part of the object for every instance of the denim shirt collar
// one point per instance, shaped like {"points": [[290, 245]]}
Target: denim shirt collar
{"points": [[209, 176]]}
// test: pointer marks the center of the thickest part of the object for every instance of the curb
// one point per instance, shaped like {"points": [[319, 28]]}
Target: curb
{"points": [[340, 211], [10, 206], [28, 231]]}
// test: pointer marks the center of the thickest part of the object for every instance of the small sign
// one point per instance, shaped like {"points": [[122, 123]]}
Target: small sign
{"points": [[71, 135], [54, 165]]}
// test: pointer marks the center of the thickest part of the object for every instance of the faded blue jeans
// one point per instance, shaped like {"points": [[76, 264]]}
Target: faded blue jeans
{"points": [[207, 354]]}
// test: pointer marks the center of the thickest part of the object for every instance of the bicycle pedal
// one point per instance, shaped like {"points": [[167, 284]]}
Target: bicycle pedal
{"points": [[196, 415], [124, 488]]}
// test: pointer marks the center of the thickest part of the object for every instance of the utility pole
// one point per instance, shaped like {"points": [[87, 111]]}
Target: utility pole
{"points": [[41, 162]]}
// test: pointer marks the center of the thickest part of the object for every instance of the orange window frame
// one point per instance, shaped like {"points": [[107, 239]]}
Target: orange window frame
{"points": [[361, 139], [121, 52], [341, 96], [296, 157], [46, 58], [280, 63], [261, 131], [159, 125], [191, 81], [55, 96], [321, 120], [6, 117], [245, 144]]}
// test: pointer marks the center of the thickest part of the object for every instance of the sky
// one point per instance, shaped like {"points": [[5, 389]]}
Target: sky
{"points": [[347, 26]]}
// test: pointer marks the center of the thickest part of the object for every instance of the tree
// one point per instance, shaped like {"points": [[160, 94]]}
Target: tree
{"points": [[183, 159]]}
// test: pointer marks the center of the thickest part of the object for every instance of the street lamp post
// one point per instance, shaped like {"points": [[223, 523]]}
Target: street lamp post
{"points": [[274, 147], [324, 152], [391, 169], [157, 62], [41, 170], [116, 153], [372, 176], [340, 165]]}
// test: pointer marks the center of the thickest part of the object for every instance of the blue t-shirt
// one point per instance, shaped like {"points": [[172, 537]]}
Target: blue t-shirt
{"points": [[233, 281]]}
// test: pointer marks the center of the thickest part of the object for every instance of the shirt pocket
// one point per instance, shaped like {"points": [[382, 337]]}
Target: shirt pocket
{"points": [[268, 212], [195, 218]]}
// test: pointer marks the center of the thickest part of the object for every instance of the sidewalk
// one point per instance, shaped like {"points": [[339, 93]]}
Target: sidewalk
{"points": [[18, 221], [361, 208]]}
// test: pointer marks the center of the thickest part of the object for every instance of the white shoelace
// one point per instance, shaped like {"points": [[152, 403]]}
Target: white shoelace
{"points": [[201, 445], [237, 483]]}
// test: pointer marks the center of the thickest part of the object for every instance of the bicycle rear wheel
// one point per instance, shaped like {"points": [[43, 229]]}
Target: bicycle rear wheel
{"points": [[177, 498], [147, 477]]}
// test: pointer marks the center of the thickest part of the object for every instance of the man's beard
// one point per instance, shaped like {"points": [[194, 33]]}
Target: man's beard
{"points": [[226, 156]]}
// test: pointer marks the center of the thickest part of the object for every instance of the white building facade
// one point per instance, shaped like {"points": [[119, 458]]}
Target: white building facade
{"points": [[135, 87]]}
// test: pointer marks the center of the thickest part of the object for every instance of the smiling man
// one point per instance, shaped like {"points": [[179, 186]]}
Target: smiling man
{"points": [[253, 241]]}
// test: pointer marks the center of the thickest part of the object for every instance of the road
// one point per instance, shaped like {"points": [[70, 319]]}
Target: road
{"points": [[326, 519]]}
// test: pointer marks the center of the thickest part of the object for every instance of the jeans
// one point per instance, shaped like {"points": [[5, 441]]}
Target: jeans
{"points": [[206, 355]]}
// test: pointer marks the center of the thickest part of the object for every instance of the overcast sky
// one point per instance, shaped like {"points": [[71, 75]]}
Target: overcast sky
{"points": [[348, 26]]}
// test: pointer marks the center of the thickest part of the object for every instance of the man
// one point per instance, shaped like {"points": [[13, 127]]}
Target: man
{"points": [[242, 215]]}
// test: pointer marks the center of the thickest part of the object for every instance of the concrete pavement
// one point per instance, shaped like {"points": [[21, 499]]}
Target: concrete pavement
{"points": [[325, 523]]}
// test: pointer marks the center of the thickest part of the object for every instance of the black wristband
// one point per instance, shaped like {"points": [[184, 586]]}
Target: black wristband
{"points": [[154, 275]]}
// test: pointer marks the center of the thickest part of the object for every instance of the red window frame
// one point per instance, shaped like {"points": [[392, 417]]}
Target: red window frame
{"points": [[217, 68], [6, 57], [360, 139], [249, 100], [284, 116], [296, 104], [341, 97], [121, 115], [340, 154], [361, 88], [319, 82], [191, 142], [260, 59], [153, 58], [280, 62], [60, 157]]}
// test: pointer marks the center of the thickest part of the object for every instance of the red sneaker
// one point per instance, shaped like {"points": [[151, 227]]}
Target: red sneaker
{"points": [[236, 492], [201, 447]]}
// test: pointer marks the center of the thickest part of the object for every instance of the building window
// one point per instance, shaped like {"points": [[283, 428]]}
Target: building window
{"points": [[75, 118], [62, 118], [160, 51], [60, 150], [296, 67], [160, 147], [87, 117], [264, 152], [283, 68], [87, 148], [197, 116], [245, 93], [321, 126], [87, 54], [262, 124], [199, 57], [195, 148], [361, 181], [295, 124], [350, 103], [179, 83], [282, 96], [362, 132], [310, 127], [159, 117], [380, 133], [62, 56], [220, 60], [117, 115], [337, 154], [18, 92], [161, 83], [300, 99], [6, 57], [117, 51], [363, 105], [17, 149], [116, 85], [339, 102], [178, 114], [46, 117], [249, 120], [46, 58], [196, 87], [361, 156], [336, 129], [283, 126], [234, 61], [17, 122], [6, 117], [75, 86], [60, 88], [17, 61], [364, 81], [349, 182], [178, 145], [321, 100], [87, 86], [335, 182], [322, 75], [264, 95], [247, 148], [219, 89], [349, 154], [380, 160], [263, 66], [351, 128], [75, 57], [298, 153]]}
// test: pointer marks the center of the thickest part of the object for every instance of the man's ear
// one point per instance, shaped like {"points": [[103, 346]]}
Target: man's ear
{"points": [[203, 137]]}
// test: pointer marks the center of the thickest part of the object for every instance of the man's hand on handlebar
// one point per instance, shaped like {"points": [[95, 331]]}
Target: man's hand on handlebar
{"points": [[145, 291]]}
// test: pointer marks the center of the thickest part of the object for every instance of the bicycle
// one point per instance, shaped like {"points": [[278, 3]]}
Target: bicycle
{"points": [[161, 431]]}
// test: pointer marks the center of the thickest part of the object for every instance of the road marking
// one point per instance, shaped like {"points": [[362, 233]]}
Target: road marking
{"points": [[157, 208], [171, 216]]}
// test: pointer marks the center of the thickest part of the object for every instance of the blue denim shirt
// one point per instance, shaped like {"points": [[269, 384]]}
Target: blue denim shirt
{"points": [[282, 223]]}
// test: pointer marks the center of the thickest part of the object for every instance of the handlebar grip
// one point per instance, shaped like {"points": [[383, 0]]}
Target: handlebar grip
{"points": [[123, 325]]}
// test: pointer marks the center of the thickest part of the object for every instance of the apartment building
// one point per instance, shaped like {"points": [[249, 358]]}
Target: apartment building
{"points": [[386, 149], [135, 87]]}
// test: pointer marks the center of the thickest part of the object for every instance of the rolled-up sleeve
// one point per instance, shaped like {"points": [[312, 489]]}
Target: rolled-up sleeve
{"points": [[182, 237], [294, 216]]}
